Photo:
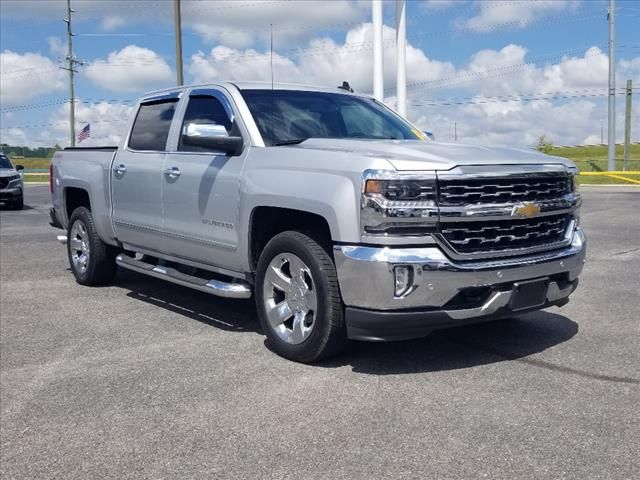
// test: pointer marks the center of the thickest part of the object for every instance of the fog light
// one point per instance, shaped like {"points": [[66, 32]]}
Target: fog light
{"points": [[403, 280]]}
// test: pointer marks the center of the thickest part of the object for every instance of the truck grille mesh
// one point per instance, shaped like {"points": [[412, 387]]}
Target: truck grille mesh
{"points": [[486, 236], [4, 181], [466, 191]]}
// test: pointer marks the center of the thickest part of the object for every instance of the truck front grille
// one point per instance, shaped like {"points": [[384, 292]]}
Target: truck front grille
{"points": [[478, 190], [496, 235], [4, 181]]}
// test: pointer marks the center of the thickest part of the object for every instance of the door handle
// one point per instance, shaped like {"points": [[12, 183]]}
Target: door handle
{"points": [[172, 172], [120, 169]]}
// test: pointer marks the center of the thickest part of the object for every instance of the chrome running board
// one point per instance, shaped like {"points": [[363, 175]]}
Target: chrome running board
{"points": [[237, 289]]}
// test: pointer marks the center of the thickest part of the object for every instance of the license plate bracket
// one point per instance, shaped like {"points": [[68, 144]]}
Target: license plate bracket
{"points": [[529, 294]]}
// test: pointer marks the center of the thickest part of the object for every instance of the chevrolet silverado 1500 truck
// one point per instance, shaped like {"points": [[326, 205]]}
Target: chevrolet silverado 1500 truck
{"points": [[327, 207]]}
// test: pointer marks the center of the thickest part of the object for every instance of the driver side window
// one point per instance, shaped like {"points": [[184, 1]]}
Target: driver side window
{"points": [[206, 110]]}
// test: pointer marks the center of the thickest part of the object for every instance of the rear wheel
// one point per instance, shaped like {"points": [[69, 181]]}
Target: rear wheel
{"points": [[298, 298], [92, 261]]}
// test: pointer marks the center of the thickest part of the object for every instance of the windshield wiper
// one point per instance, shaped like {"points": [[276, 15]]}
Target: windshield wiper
{"points": [[294, 141]]}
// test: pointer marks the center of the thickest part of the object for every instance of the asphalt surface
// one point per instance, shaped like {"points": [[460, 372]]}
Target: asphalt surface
{"points": [[143, 379]]}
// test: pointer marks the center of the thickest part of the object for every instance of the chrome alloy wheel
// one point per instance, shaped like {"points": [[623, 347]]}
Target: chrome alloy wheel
{"points": [[79, 246], [290, 299]]}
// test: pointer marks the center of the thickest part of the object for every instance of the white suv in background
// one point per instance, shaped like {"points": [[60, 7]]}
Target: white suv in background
{"points": [[11, 183]]}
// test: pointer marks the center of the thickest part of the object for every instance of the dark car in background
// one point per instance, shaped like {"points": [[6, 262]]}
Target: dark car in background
{"points": [[11, 183]]}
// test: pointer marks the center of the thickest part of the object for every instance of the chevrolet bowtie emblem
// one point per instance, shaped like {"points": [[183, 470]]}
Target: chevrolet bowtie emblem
{"points": [[526, 210]]}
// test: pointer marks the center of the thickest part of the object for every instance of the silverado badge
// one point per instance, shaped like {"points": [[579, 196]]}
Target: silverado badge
{"points": [[526, 210]]}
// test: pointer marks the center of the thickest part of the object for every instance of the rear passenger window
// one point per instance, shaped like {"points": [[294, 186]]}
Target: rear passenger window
{"points": [[151, 127], [206, 110]]}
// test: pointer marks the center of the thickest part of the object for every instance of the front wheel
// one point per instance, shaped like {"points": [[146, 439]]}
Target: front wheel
{"points": [[19, 203], [298, 298], [91, 260]]}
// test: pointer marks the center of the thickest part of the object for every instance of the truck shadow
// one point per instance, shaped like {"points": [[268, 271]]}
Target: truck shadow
{"points": [[512, 339]]}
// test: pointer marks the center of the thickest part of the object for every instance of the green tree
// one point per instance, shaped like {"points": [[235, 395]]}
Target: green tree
{"points": [[544, 145]]}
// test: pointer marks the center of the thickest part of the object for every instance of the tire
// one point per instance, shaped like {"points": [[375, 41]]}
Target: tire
{"points": [[18, 204], [309, 337], [98, 264]]}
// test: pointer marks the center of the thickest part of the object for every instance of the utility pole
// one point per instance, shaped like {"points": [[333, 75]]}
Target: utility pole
{"points": [[627, 125], [71, 63], [378, 65], [612, 85], [401, 57], [455, 132], [178, 21], [601, 132]]}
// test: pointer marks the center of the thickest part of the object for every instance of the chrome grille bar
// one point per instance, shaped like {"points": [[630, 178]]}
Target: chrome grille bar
{"points": [[476, 237], [538, 187]]}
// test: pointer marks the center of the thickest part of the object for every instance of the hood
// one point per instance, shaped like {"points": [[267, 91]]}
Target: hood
{"points": [[8, 172], [416, 155]]}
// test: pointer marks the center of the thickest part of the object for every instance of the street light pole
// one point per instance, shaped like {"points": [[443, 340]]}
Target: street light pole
{"points": [[612, 86], [70, 64], [401, 57], [178, 21], [378, 66]]}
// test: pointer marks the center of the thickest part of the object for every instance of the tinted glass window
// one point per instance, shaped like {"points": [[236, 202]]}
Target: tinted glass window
{"points": [[206, 110], [288, 115], [4, 162], [151, 127]]}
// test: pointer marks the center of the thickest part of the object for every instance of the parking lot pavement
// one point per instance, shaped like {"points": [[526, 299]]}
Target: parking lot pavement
{"points": [[143, 379]]}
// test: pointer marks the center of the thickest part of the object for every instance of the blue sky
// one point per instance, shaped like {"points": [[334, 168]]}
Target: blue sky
{"points": [[497, 56]]}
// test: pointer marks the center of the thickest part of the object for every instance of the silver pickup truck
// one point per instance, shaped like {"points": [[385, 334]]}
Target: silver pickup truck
{"points": [[336, 214]]}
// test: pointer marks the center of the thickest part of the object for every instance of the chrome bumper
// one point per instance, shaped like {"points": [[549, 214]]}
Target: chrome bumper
{"points": [[366, 276]]}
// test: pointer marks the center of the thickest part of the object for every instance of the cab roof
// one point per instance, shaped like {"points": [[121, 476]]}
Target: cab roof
{"points": [[249, 85]]}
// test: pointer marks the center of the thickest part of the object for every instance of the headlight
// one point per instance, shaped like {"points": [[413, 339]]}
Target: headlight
{"points": [[398, 204], [574, 186], [14, 181]]}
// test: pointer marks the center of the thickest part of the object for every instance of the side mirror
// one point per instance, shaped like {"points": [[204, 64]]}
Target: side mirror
{"points": [[19, 167], [211, 137]]}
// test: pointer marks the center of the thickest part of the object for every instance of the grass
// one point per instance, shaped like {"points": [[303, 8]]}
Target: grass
{"points": [[31, 163], [593, 158], [36, 178]]}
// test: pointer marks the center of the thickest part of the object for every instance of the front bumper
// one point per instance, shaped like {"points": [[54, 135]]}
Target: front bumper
{"points": [[10, 194], [445, 292]]}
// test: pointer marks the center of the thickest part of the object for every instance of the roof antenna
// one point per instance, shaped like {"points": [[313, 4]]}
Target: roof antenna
{"points": [[271, 52]]}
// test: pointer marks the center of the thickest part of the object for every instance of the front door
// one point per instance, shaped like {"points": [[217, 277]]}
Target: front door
{"points": [[137, 179], [201, 189]]}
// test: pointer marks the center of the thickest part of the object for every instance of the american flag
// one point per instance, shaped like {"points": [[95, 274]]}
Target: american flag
{"points": [[84, 133]]}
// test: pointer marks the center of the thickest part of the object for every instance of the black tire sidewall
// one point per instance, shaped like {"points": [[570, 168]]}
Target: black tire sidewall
{"points": [[311, 348], [100, 266]]}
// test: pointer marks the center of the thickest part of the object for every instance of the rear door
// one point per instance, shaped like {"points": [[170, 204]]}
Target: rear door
{"points": [[137, 178], [201, 188]]}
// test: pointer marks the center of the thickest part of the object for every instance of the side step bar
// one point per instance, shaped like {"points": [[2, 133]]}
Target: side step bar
{"points": [[214, 287]]}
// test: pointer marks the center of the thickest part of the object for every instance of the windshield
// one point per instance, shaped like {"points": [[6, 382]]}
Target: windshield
{"points": [[291, 116], [4, 162]]}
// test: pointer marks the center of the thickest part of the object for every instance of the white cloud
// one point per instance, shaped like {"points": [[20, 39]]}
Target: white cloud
{"points": [[57, 47], [322, 62], [232, 23], [26, 76], [112, 22], [107, 121], [129, 70], [516, 13], [240, 24], [441, 4]]}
